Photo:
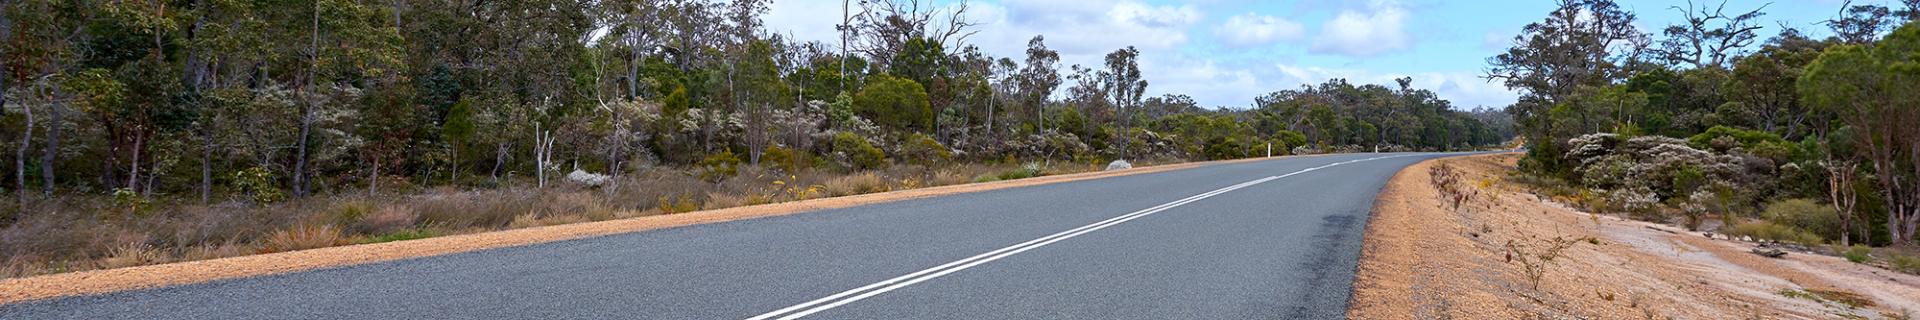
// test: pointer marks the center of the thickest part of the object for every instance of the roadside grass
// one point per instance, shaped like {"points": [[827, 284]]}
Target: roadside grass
{"points": [[78, 233]]}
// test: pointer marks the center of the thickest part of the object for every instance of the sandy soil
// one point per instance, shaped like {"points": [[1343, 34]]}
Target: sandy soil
{"points": [[113, 280], [1424, 260]]}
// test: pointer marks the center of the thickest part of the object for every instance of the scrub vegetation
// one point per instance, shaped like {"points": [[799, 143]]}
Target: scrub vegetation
{"points": [[144, 132]]}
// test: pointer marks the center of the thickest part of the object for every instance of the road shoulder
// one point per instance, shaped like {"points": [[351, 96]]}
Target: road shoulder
{"points": [[1425, 260]]}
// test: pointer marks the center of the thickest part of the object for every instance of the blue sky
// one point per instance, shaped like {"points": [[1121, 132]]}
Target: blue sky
{"points": [[1226, 52]]}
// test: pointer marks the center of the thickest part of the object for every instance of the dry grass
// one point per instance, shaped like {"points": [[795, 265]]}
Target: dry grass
{"points": [[302, 238], [135, 254], [76, 233], [858, 183]]}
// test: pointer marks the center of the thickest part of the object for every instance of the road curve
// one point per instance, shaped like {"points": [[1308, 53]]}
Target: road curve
{"points": [[1264, 239]]}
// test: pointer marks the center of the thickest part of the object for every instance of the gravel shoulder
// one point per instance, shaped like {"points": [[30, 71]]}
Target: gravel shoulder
{"points": [[152, 276], [1424, 260]]}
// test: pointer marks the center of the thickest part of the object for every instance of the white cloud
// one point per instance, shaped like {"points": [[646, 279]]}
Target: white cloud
{"points": [[1209, 82], [1252, 30], [1381, 28], [1464, 89], [1083, 27]]}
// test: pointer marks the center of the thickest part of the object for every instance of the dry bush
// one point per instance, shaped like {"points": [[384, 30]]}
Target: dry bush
{"points": [[948, 177], [1904, 263], [302, 238], [133, 254], [488, 209], [717, 200], [858, 183], [205, 252], [1451, 183], [585, 206], [527, 220], [677, 204], [1535, 258], [386, 219]]}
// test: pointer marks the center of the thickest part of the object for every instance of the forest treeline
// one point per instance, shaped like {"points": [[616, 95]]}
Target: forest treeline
{"points": [[262, 100], [1785, 137]]}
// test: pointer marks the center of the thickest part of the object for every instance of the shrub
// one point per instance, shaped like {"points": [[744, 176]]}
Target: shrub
{"points": [[923, 149], [946, 177], [1805, 214], [719, 166], [1744, 138], [387, 219], [302, 238], [895, 103], [1223, 148], [1028, 170], [784, 159], [685, 203], [858, 151], [136, 254], [403, 235], [1766, 230], [1535, 258], [1858, 254], [860, 183], [483, 210], [259, 185], [1904, 263]]}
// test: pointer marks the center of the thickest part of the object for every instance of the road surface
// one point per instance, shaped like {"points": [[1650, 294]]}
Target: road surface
{"points": [[1264, 239]]}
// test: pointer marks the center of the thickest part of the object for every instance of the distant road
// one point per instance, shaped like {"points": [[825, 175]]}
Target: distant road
{"points": [[1265, 239]]}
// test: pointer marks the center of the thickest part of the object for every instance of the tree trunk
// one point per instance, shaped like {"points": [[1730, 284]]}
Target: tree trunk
{"points": [[373, 178], [306, 113], [633, 70], [206, 165], [499, 159], [20, 154], [133, 166], [55, 117], [1840, 190]]}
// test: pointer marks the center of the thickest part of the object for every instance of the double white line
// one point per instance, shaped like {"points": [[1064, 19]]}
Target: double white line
{"points": [[863, 292]]}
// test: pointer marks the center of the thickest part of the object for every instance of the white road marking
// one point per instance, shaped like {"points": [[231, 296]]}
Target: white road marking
{"points": [[863, 292]]}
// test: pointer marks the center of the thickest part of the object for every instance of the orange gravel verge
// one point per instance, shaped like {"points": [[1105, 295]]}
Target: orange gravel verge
{"points": [[1424, 260], [131, 278]]}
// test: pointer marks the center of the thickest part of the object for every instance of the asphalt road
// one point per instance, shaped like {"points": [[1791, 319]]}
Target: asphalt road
{"points": [[1265, 239]]}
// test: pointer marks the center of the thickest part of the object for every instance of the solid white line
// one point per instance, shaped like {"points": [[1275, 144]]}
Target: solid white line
{"points": [[884, 286]]}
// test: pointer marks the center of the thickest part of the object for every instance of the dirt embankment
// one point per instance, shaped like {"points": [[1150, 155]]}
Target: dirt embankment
{"points": [[1423, 259]]}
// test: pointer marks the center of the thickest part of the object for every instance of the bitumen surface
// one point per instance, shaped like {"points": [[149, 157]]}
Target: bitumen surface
{"points": [[1281, 242]]}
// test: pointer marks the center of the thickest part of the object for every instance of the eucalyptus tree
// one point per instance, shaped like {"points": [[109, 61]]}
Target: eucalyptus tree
{"points": [[1124, 85]]}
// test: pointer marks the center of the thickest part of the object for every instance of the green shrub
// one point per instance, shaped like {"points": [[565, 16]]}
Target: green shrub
{"points": [[784, 158], [1858, 254], [1289, 139], [1766, 230], [923, 149], [1904, 263], [402, 235], [719, 166], [1746, 138], [1223, 148], [1805, 214], [858, 151], [895, 103], [1028, 170], [685, 203], [259, 185]]}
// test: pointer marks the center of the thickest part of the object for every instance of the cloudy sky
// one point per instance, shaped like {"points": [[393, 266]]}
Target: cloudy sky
{"points": [[1226, 52]]}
